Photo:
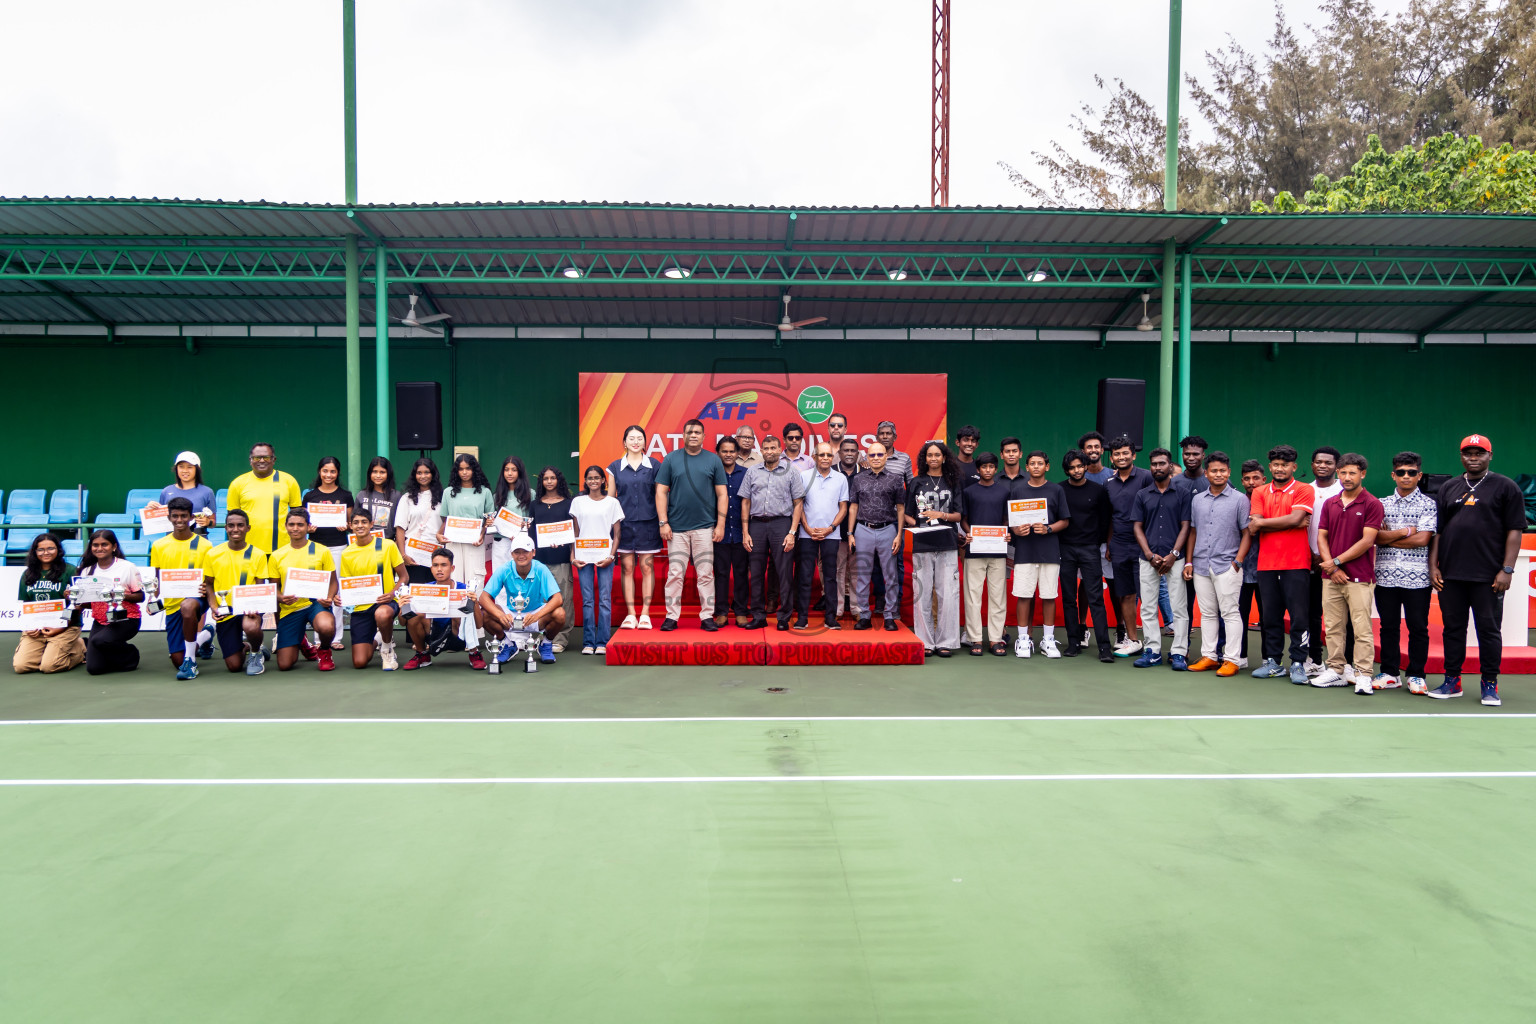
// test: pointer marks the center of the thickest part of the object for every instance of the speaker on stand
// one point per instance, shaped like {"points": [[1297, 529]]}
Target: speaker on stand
{"points": [[1122, 410], [419, 415]]}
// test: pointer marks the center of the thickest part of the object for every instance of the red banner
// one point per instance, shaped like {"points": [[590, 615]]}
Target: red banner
{"points": [[662, 402]]}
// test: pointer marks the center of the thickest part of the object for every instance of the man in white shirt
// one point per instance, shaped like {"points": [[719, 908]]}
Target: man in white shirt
{"points": [[824, 508], [1325, 484]]}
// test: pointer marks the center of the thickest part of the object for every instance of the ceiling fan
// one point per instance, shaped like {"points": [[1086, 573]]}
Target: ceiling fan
{"points": [[785, 324], [1145, 323], [412, 320]]}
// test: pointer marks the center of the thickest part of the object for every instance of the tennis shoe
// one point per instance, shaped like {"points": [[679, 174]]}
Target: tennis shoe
{"points": [[1178, 663], [546, 652], [1126, 648], [416, 661], [327, 663], [1312, 668], [1418, 685], [1270, 669], [1386, 681], [1023, 647], [255, 662], [1363, 685], [1149, 658], [387, 654], [1298, 674], [1448, 689], [187, 669], [1328, 677], [205, 650], [505, 654], [1491, 693], [1048, 647], [476, 662], [1349, 674]]}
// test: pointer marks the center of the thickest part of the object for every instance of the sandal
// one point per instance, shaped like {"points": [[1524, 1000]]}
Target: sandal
{"points": [[628, 623], [1000, 649], [976, 649]]}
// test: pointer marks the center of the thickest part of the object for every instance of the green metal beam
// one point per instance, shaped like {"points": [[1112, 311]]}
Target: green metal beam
{"points": [[351, 261], [1185, 355], [1171, 130], [1165, 353], [381, 352]]}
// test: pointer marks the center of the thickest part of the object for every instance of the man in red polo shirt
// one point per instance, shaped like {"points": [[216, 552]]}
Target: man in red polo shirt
{"points": [[1280, 511], [1346, 542]]}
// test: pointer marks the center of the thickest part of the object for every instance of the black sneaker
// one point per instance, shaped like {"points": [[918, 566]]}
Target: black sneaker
{"points": [[802, 623], [1106, 655], [1491, 693], [707, 625], [668, 625], [862, 624], [832, 623], [890, 625], [1072, 651], [783, 626]]}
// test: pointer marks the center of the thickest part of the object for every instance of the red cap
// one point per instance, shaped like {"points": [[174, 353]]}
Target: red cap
{"points": [[1477, 441]]}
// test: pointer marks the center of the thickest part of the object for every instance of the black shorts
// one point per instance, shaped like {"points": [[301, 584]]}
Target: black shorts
{"points": [[364, 629], [1126, 581], [231, 634], [443, 638]]}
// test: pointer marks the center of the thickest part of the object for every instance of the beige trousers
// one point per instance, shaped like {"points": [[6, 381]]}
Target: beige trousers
{"points": [[56, 654], [993, 572], [1349, 602], [698, 547]]}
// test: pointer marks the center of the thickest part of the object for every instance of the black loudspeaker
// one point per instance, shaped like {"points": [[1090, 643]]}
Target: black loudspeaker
{"points": [[418, 415], [1122, 410]]}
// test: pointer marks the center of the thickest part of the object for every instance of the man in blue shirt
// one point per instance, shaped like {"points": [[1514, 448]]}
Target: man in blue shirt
{"points": [[823, 510], [1160, 522], [730, 556], [1124, 555], [533, 580]]}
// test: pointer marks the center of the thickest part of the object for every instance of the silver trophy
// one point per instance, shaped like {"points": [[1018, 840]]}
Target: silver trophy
{"points": [[115, 594], [518, 635], [152, 603]]}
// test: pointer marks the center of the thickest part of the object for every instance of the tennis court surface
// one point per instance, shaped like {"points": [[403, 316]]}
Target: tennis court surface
{"points": [[977, 840]]}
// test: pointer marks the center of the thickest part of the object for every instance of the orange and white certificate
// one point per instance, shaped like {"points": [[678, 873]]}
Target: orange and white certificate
{"points": [[509, 524], [1027, 512], [254, 599], [314, 584], [593, 549], [155, 519], [360, 590], [989, 540], [42, 615], [554, 535], [180, 584], [419, 551], [462, 530], [327, 513]]}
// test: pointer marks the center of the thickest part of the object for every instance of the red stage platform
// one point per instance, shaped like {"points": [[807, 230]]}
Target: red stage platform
{"points": [[1515, 661], [690, 645]]}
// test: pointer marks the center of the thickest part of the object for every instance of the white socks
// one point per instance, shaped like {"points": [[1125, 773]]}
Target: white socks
{"points": [[191, 650]]}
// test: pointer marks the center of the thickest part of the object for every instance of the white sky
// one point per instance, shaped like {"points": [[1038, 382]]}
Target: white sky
{"points": [[804, 102]]}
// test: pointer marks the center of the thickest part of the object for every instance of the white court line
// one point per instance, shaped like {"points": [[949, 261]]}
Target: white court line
{"points": [[708, 779], [1385, 715]]}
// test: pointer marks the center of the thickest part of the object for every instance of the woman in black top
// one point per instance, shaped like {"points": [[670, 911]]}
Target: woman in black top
{"points": [[380, 498], [47, 574], [327, 490], [554, 506]]}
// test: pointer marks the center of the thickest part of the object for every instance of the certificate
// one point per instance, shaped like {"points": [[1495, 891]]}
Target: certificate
{"points": [[254, 599], [180, 584], [461, 530], [42, 615], [361, 590], [329, 514], [554, 535], [1027, 512], [91, 589], [419, 551], [155, 521], [989, 540], [314, 584], [510, 525], [430, 599], [930, 529], [593, 549]]}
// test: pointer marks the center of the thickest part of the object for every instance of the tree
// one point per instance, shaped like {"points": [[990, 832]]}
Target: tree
{"points": [[1279, 118], [1447, 173]]}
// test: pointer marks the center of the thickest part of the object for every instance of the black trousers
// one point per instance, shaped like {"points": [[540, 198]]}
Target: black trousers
{"points": [[1083, 565], [768, 545], [730, 579], [1245, 601], [110, 648], [1317, 646], [1281, 591], [1396, 604], [1487, 608], [808, 553]]}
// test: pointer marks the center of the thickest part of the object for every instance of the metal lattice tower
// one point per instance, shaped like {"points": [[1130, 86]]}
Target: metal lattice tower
{"points": [[939, 195]]}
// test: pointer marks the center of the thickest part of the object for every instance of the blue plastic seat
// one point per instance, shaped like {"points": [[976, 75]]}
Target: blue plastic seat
{"points": [[220, 504], [69, 506], [74, 550], [136, 551], [18, 541], [217, 535], [120, 523], [26, 503], [2, 505], [138, 498]]}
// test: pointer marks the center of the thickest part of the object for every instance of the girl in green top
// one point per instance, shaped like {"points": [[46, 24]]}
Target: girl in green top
{"points": [[47, 574], [468, 496]]}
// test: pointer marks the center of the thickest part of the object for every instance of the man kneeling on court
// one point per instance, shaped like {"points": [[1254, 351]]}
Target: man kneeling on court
{"points": [[441, 635], [537, 585]]}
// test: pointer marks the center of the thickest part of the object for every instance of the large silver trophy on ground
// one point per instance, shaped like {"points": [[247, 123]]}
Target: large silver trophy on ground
{"points": [[519, 636]]}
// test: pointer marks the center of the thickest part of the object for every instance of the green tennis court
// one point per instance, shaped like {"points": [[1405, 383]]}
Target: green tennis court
{"points": [[983, 840]]}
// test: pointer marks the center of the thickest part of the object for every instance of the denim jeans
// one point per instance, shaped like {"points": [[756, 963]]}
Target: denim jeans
{"points": [[596, 621]]}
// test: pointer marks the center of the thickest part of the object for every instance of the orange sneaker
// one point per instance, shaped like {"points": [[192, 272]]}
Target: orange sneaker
{"points": [[1203, 665], [1228, 668]]}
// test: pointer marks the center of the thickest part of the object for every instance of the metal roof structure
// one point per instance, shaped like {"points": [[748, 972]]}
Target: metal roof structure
{"points": [[140, 266]]}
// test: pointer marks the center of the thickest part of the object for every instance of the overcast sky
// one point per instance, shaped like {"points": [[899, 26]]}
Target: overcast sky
{"points": [[802, 102]]}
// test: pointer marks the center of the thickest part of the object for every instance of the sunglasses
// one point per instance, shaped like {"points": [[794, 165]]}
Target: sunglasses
{"points": [[1405, 472]]}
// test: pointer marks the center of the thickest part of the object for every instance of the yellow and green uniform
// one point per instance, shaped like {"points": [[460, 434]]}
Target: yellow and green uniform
{"points": [[267, 503], [308, 555], [379, 557], [170, 553], [229, 568]]}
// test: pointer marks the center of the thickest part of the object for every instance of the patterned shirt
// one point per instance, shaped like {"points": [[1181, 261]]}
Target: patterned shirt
{"points": [[878, 495], [1407, 568]]}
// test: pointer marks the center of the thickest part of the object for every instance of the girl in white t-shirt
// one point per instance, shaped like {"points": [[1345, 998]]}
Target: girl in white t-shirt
{"points": [[419, 519], [110, 645], [597, 517], [513, 495]]}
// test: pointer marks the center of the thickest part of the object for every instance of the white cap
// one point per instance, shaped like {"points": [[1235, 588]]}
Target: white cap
{"points": [[188, 457], [522, 542]]}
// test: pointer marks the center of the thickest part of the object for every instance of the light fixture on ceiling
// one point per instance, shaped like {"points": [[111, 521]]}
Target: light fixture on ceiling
{"points": [[675, 271], [1037, 275], [896, 275], [570, 270]]}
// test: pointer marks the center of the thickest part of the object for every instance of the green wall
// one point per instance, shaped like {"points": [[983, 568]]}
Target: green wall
{"points": [[520, 397]]}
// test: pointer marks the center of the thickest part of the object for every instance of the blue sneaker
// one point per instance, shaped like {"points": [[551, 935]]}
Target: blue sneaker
{"points": [[505, 654], [1268, 670], [256, 662], [188, 669], [546, 652], [1298, 673], [1491, 693], [205, 651], [1448, 689], [1149, 657], [1178, 663]]}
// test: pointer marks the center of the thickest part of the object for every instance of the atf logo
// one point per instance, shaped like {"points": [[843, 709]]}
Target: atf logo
{"points": [[815, 404], [743, 404]]}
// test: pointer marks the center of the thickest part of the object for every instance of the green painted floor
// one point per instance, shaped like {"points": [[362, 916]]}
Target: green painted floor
{"points": [[775, 900]]}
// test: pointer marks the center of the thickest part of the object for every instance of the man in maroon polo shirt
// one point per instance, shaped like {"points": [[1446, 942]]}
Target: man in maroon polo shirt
{"points": [[1346, 543]]}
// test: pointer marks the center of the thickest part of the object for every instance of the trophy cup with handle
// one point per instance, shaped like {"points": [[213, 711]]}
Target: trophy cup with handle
{"points": [[152, 603], [115, 594]]}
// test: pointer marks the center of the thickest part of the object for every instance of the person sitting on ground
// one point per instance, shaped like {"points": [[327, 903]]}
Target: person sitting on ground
{"points": [[544, 611], [59, 648], [431, 636]]}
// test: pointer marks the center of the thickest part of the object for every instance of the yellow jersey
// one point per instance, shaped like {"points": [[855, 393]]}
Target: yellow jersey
{"points": [[308, 555], [228, 568], [379, 557], [267, 503], [170, 553]]}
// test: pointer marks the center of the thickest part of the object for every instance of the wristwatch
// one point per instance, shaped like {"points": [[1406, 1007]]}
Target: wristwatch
{"points": [[1509, 569]]}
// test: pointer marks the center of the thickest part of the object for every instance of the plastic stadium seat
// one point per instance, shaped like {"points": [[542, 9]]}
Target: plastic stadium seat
{"points": [[220, 504], [138, 498], [74, 550], [120, 523], [26, 503], [136, 551], [2, 505], [17, 541], [63, 508], [217, 535]]}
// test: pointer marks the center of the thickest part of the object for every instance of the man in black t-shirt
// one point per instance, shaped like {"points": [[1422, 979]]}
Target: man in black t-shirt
{"points": [[1037, 554], [985, 503], [1089, 515], [1472, 562]]}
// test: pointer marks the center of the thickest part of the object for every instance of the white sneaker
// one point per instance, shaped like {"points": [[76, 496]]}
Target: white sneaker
{"points": [[1363, 685], [628, 623], [1328, 677], [1048, 647], [1349, 674], [559, 648], [1417, 684], [1022, 647], [1386, 681], [1087, 638], [1127, 648], [645, 622], [387, 652], [1313, 669]]}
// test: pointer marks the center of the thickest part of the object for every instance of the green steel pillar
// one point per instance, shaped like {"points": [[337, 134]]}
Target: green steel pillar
{"points": [[381, 349], [354, 346], [1184, 347], [1171, 133], [1165, 358]]}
